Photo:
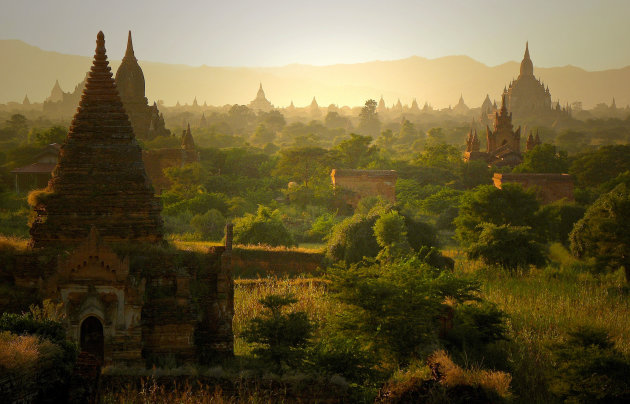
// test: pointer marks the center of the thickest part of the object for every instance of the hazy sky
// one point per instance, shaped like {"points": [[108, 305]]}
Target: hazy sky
{"points": [[593, 34]]}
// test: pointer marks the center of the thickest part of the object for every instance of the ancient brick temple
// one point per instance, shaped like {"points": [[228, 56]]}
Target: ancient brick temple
{"points": [[99, 179], [549, 187], [503, 143], [96, 245], [363, 183], [157, 160], [147, 122], [527, 96]]}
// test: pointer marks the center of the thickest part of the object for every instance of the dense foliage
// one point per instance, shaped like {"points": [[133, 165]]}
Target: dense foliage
{"points": [[604, 232]]}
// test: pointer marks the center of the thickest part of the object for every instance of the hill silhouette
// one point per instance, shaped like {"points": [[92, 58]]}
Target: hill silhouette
{"points": [[26, 69]]}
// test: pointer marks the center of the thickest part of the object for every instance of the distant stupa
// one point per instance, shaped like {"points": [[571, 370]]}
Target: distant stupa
{"points": [[260, 103]]}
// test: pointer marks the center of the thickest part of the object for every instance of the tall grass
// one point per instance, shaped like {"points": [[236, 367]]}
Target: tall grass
{"points": [[152, 393], [310, 292], [543, 305]]}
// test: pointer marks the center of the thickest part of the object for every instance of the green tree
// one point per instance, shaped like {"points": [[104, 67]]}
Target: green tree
{"points": [[265, 227], [240, 117], [56, 134], [510, 247], [510, 205], [390, 231], [593, 168], [281, 338], [353, 238], [408, 133], [17, 125], [303, 163], [588, 368], [210, 224], [436, 136], [556, 220], [263, 135], [333, 120], [474, 173], [443, 156], [395, 308], [603, 234], [356, 152], [544, 158], [187, 179], [274, 120], [444, 205], [369, 124]]}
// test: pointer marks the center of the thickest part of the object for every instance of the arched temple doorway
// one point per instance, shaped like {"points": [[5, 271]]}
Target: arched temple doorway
{"points": [[92, 340]]}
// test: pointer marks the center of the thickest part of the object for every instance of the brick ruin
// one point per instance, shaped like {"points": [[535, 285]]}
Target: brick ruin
{"points": [[549, 187], [147, 121], [364, 183], [96, 245], [157, 160], [503, 143]]}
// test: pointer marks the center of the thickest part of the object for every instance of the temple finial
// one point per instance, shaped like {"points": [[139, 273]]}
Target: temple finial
{"points": [[100, 43], [129, 52]]}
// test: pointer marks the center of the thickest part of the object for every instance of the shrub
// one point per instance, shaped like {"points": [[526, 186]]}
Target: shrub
{"points": [[337, 355], [353, 238], [556, 220], [443, 381], [210, 224], [511, 205], [281, 338], [59, 353], [265, 227], [395, 307], [199, 204], [323, 225], [391, 235], [474, 329], [588, 369], [604, 232], [510, 247]]}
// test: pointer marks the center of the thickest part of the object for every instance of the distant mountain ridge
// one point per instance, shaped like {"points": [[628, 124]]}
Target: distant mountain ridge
{"points": [[26, 69]]}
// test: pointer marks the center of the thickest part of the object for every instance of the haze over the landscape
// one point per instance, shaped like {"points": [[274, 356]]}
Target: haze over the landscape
{"points": [[311, 40], [29, 70]]}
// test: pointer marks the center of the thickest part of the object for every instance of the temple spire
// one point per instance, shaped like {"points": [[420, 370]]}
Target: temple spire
{"points": [[129, 52], [527, 66], [526, 56]]}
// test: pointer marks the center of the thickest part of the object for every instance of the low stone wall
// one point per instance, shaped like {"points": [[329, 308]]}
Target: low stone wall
{"points": [[253, 262], [549, 187]]}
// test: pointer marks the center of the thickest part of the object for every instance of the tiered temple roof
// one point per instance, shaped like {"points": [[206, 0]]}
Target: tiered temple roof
{"points": [[100, 178]]}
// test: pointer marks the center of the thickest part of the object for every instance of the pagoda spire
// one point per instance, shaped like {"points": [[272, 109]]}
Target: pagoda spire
{"points": [[527, 66], [100, 93], [526, 56], [187, 140], [129, 52]]}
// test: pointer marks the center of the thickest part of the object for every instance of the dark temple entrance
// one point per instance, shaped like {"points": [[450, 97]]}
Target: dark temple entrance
{"points": [[92, 337]]}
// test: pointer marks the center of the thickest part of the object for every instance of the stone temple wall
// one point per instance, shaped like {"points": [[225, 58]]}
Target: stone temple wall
{"points": [[364, 183], [549, 187], [156, 305], [97, 246]]}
